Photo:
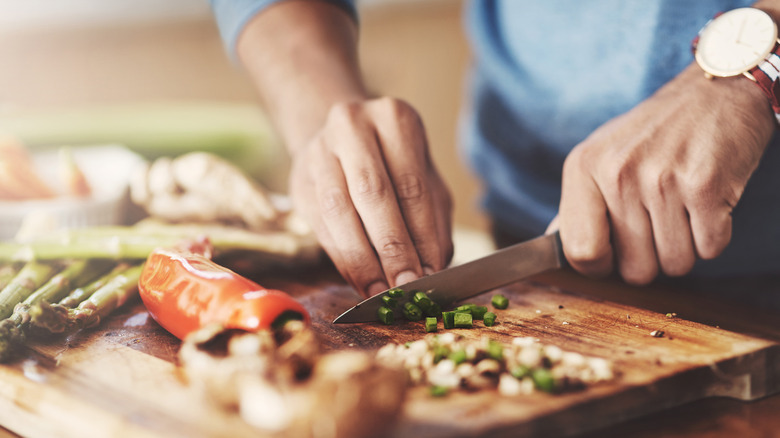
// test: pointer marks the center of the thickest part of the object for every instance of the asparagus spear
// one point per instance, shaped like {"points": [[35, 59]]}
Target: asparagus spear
{"points": [[82, 293], [75, 274], [55, 318], [7, 273], [138, 241], [29, 278]]}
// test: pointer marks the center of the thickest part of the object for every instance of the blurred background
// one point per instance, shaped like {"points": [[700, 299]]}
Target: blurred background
{"points": [[153, 75]]}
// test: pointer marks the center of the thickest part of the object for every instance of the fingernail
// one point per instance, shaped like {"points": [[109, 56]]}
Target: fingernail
{"points": [[427, 270], [406, 277], [376, 287]]}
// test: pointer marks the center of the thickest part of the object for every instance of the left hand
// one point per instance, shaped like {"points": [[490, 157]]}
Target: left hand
{"points": [[655, 187]]}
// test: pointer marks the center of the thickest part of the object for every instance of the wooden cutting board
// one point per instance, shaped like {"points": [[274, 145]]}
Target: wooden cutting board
{"points": [[120, 379]]}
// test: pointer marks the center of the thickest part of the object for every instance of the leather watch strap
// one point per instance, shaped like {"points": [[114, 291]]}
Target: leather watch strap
{"points": [[766, 75]]}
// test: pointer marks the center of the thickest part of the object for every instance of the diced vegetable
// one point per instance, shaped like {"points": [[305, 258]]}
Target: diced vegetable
{"points": [[386, 315], [396, 292], [458, 356], [389, 301], [463, 320], [521, 371], [495, 350], [439, 391], [412, 312], [489, 319], [421, 300], [478, 312], [543, 379], [431, 324], [448, 318], [434, 311], [499, 301]]}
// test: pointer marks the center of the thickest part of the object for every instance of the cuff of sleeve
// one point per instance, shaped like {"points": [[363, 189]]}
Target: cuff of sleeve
{"points": [[233, 15]]}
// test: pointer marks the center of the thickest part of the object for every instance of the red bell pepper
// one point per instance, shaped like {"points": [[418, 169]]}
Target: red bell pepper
{"points": [[185, 291]]}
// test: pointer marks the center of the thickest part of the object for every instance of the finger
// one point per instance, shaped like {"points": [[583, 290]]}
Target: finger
{"points": [[584, 224], [443, 212], [374, 199], [347, 243], [711, 230], [403, 143], [672, 234], [633, 239]]}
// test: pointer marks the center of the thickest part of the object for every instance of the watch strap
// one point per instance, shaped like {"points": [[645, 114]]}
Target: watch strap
{"points": [[766, 74]]}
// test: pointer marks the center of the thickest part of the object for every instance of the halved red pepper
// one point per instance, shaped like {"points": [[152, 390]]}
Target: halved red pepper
{"points": [[185, 291]]}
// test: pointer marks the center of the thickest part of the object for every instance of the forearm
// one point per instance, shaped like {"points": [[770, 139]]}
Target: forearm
{"points": [[302, 56]]}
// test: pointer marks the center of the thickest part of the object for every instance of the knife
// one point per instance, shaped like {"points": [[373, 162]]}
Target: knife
{"points": [[498, 269]]}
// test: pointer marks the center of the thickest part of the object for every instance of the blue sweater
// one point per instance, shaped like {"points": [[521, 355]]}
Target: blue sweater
{"points": [[548, 73]]}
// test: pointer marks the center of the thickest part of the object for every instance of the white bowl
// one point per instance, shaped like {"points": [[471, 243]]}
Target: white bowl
{"points": [[107, 170]]}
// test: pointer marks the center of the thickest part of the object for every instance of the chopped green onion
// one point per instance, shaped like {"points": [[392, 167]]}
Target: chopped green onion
{"points": [[439, 391], [465, 308], [422, 301], [434, 311], [521, 371], [499, 301], [463, 320], [389, 301], [495, 350], [458, 356], [478, 312], [412, 312], [396, 292], [449, 319], [431, 324], [385, 315], [543, 379], [489, 319], [440, 352]]}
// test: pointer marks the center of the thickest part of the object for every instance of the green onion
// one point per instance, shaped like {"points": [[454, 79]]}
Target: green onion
{"points": [[521, 371], [543, 379], [478, 312], [389, 301], [495, 350], [434, 311], [448, 318], [396, 292], [499, 301], [465, 308], [439, 391], [385, 315], [412, 312], [431, 324], [489, 319], [421, 300], [440, 352], [463, 320], [458, 356]]}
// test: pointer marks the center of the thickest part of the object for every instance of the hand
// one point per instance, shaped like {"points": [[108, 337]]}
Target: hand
{"points": [[654, 188], [367, 185]]}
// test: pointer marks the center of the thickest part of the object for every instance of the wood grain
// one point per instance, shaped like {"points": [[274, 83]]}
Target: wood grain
{"points": [[121, 379]]}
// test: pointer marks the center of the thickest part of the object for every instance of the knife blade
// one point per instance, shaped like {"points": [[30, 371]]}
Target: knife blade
{"points": [[498, 269]]}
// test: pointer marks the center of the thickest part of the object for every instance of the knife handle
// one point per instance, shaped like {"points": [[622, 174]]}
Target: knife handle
{"points": [[559, 250]]}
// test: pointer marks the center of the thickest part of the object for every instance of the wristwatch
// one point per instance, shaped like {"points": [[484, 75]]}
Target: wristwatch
{"points": [[742, 41]]}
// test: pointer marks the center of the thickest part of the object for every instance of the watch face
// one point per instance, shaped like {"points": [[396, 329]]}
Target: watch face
{"points": [[736, 41]]}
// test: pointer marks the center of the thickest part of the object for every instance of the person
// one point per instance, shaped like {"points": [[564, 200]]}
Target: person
{"points": [[587, 117]]}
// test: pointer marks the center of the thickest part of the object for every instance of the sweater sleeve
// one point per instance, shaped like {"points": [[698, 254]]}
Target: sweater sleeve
{"points": [[233, 15]]}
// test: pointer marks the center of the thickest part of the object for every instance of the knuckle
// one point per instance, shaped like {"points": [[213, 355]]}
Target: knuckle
{"points": [[333, 202], [345, 113], [393, 248], [370, 187], [410, 187], [664, 184]]}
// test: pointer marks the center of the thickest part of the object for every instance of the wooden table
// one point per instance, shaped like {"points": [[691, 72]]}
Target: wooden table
{"points": [[317, 289]]}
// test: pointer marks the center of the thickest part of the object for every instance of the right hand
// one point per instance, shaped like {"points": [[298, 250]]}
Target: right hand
{"points": [[367, 186]]}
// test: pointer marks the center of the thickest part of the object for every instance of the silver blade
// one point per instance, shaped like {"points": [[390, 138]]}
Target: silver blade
{"points": [[495, 270]]}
